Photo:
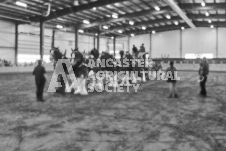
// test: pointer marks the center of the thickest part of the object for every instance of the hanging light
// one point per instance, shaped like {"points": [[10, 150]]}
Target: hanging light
{"points": [[112, 37], [212, 26], [105, 27], [120, 31], [114, 15], [210, 21], [59, 26], [207, 14], [176, 23], [168, 16], [21, 4], [131, 22], [81, 31], [132, 35], [182, 28], [94, 8], [153, 32], [144, 27], [76, 2], [96, 34], [203, 4], [157, 8], [86, 22]]}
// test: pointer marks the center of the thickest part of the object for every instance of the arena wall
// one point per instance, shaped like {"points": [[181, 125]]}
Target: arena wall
{"points": [[172, 43], [7, 40]]}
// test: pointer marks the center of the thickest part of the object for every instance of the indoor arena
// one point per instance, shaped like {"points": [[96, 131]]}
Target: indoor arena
{"points": [[112, 75]]}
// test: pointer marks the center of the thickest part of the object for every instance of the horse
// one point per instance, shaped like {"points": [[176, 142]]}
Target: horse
{"points": [[81, 72]]}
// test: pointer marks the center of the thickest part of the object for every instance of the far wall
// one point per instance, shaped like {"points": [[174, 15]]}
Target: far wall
{"points": [[173, 43], [178, 43]]}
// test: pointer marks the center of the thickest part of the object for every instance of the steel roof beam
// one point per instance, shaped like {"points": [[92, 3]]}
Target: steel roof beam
{"points": [[82, 7], [179, 11], [126, 16]]}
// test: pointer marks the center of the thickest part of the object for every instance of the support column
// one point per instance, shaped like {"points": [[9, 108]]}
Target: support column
{"points": [[98, 41], [16, 43], [41, 39], [114, 45], [181, 44], [76, 37], [217, 48], [94, 42], [53, 39], [150, 52], [129, 44]]}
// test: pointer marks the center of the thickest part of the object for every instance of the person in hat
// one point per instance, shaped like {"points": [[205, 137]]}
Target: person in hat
{"points": [[40, 79]]}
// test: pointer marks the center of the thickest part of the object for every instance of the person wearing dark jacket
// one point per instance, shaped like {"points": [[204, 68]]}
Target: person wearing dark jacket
{"points": [[40, 79], [135, 51], [203, 73], [142, 48]]}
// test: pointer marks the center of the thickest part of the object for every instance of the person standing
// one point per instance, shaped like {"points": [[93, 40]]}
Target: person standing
{"points": [[172, 80], [40, 79], [135, 51], [203, 73], [142, 48]]}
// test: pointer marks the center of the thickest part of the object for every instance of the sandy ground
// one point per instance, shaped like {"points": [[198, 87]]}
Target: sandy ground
{"points": [[143, 121]]}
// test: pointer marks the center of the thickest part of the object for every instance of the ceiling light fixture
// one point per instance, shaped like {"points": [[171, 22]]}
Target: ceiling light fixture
{"points": [[182, 28], [86, 22], [120, 31], [76, 2], [207, 14], [131, 22], [94, 8], [176, 23], [157, 8], [144, 27], [132, 35], [210, 21], [168, 16], [114, 15], [21, 4], [105, 27], [212, 26], [112, 37], [81, 31], [153, 32], [59, 26], [203, 4]]}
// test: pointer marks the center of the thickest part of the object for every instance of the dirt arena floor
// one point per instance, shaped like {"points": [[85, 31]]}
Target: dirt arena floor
{"points": [[143, 121]]}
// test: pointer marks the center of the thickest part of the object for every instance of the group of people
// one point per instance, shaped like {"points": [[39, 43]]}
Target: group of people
{"points": [[135, 50], [40, 78], [203, 76], [5, 63]]}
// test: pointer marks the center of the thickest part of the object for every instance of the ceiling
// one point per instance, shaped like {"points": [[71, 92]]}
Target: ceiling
{"points": [[143, 13]]}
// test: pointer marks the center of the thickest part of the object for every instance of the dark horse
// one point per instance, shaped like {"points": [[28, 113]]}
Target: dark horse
{"points": [[80, 70]]}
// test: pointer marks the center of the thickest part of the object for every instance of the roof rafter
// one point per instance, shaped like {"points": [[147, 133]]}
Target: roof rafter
{"points": [[178, 10], [126, 16], [74, 9]]}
